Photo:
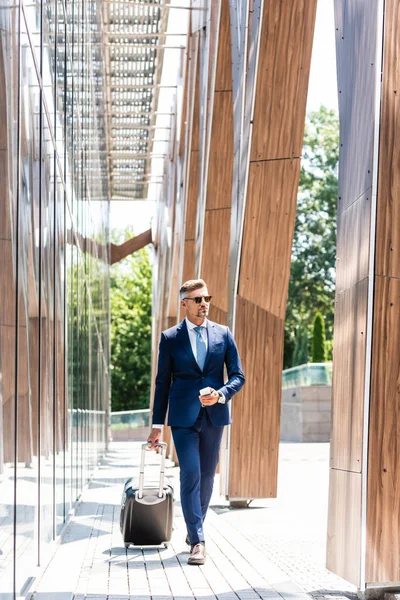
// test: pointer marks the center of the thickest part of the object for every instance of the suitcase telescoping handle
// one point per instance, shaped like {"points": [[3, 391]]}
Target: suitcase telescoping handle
{"points": [[163, 447]]}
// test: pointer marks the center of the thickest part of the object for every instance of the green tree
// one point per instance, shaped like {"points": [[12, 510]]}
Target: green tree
{"points": [[312, 277], [131, 297], [300, 352], [319, 340]]}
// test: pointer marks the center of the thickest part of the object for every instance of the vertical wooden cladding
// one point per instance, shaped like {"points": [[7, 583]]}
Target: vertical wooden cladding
{"points": [[282, 79], [185, 100], [194, 149], [356, 35], [388, 215], [220, 168], [213, 35], [215, 255], [223, 78], [188, 267], [278, 125], [352, 246], [383, 498], [192, 161], [268, 234], [357, 26], [256, 410], [348, 380], [7, 289], [344, 506], [217, 315], [350, 333], [383, 495]]}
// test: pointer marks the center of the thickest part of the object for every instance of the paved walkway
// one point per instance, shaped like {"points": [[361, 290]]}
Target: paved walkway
{"points": [[273, 550]]}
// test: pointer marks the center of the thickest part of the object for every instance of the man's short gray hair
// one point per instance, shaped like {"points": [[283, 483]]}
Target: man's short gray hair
{"points": [[190, 285]]}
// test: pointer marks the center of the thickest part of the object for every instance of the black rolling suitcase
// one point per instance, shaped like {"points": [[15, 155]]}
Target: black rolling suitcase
{"points": [[147, 511]]}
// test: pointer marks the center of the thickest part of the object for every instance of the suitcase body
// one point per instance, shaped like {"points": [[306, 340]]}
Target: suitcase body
{"points": [[146, 516]]}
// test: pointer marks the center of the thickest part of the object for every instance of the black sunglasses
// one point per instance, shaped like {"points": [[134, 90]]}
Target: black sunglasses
{"points": [[198, 299]]}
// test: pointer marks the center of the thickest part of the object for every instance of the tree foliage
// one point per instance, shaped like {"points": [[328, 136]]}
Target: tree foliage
{"points": [[131, 297], [300, 352], [319, 340], [312, 277]]}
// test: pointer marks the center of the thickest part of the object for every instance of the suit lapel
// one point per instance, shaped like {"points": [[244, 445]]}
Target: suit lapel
{"points": [[211, 331], [184, 338]]}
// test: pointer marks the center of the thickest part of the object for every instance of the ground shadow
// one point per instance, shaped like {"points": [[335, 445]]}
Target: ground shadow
{"points": [[334, 593], [263, 593], [221, 509]]}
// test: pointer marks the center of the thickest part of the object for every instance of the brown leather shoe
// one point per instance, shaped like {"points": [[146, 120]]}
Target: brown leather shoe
{"points": [[197, 554]]}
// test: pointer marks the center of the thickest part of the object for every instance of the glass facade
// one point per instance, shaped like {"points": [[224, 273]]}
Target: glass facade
{"points": [[54, 272]]}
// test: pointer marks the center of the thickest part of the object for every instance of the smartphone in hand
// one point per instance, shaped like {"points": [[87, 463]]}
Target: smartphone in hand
{"points": [[205, 391]]}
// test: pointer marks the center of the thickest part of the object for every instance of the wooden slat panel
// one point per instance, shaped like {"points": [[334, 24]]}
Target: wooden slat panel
{"points": [[171, 322], [256, 410], [194, 162], [383, 499], [213, 45], [268, 234], [3, 104], [195, 58], [383, 493], [5, 224], [217, 315], [223, 80], [388, 216], [7, 293], [193, 190], [356, 31], [188, 270], [27, 417], [193, 166], [352, 253], [216, 255], [184, 104], [220, 168], [348, 378], [172, 307], [344, 525], [282, 81], [356, 43], [278, 126]]}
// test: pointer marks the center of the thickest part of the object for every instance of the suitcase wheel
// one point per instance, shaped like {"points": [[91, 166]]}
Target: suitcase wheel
{"points": [[126, 545]]}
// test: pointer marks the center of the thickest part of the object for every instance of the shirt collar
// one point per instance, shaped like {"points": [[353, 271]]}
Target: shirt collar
{"points": [[191, 325]]}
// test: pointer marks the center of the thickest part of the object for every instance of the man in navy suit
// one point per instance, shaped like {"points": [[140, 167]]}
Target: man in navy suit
{"points": [[192, 356]]}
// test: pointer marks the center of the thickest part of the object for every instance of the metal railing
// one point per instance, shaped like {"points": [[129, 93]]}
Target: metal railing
{"points": [[301, 376], [307, 375], [130, 424]]}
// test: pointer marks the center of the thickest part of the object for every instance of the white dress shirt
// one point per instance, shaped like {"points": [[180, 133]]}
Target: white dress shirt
{"points": [[192, 338], [192, 335]]}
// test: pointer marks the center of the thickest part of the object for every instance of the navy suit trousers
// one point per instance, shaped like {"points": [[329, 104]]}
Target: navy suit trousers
{"points": [[197, 448]]}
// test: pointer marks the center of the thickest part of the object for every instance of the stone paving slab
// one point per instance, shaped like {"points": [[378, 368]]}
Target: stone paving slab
{"points": [[255, 553]]}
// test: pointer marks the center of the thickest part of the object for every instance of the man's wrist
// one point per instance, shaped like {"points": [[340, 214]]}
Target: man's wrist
{"points": [[221, 398]]}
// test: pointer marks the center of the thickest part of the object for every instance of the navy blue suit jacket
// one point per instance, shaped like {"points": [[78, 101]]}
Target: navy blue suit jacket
{"points": [[179, 377]]}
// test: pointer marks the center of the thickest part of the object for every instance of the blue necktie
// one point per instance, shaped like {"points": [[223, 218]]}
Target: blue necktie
{"points": [[201, 349]]}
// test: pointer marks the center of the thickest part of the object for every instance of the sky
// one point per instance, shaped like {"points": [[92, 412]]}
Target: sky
{"points": [[322, 90]]}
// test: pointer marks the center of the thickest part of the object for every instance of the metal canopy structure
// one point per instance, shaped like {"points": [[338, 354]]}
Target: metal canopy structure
{"points": [[135, 38]]}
